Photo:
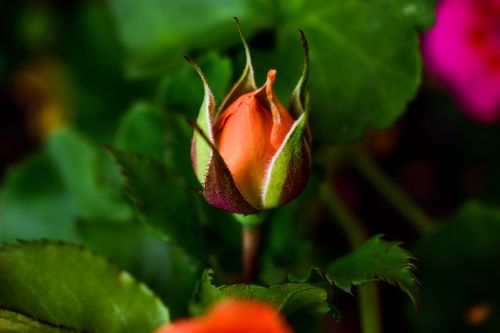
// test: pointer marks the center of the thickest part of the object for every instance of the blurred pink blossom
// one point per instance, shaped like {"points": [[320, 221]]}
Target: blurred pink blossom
{"points": [[463, 50]]}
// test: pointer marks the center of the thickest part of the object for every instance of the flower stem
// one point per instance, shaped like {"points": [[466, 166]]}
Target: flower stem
{"points": [[346, 221], [368, 296], [392, 192], [252, 237], [369, 301]]}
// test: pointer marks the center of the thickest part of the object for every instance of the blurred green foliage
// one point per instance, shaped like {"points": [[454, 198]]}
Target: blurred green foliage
{"points": [[458, 269], [116, 72]]}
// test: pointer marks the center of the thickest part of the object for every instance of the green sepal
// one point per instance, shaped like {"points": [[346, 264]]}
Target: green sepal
{"points": [[219, 188], [289, 168], [246, 83], [201, 153], [299, 102], [251, 221]]}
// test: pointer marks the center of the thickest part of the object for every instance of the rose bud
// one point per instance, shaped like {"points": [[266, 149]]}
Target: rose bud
{"points": [[233, 316], [252, 153]]}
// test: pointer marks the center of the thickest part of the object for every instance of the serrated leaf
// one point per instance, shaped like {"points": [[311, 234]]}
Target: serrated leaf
{"points": [[11, 322], [67, 285], [376, 259], [289, 298], [163, 200]]}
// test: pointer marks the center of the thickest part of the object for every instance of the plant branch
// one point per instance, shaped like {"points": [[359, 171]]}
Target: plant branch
{"points": [[252, 237], [392, 192], [368, 296], [346, 221]]}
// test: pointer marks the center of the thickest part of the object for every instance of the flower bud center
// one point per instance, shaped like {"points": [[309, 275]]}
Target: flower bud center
{"points": [[248, 134]]}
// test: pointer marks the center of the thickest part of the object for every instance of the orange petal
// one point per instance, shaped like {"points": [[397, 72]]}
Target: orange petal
{"points": [[244, 316], [242, 135], [186, 326], [233, 316], [282, 120], [248, 134]]}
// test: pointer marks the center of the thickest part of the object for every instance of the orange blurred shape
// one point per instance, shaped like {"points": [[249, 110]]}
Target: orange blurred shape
{"points": [[233, 316], [38, 90], [477, 314], [382, 142]]}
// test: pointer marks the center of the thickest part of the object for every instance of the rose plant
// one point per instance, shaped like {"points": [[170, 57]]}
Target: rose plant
{"points": [[190, 269]]}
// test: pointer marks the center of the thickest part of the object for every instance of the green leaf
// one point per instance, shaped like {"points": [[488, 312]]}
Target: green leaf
{"points": [[419, 11], [157, 33], [164, 136], [288, 246], [168, 271], [289, 298], [67, 285], [180, 89], [222, 234], [376, 259], [365, 61], [143, 130], [163, 200], [34, 202], [97, 92], [179, 135], [11, 322], [81, 166], [458, 267]]}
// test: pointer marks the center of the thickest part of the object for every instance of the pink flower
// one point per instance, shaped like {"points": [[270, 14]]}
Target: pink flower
{"points": [[463, 50]]}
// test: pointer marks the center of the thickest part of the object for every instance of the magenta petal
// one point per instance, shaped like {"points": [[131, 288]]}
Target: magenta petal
{"points": [[463, 50]]}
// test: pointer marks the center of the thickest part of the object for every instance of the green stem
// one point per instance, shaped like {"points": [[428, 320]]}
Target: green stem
{"points": [[368, 297], [392, 192], [252, 243], [369, 300], [346, 221]]}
